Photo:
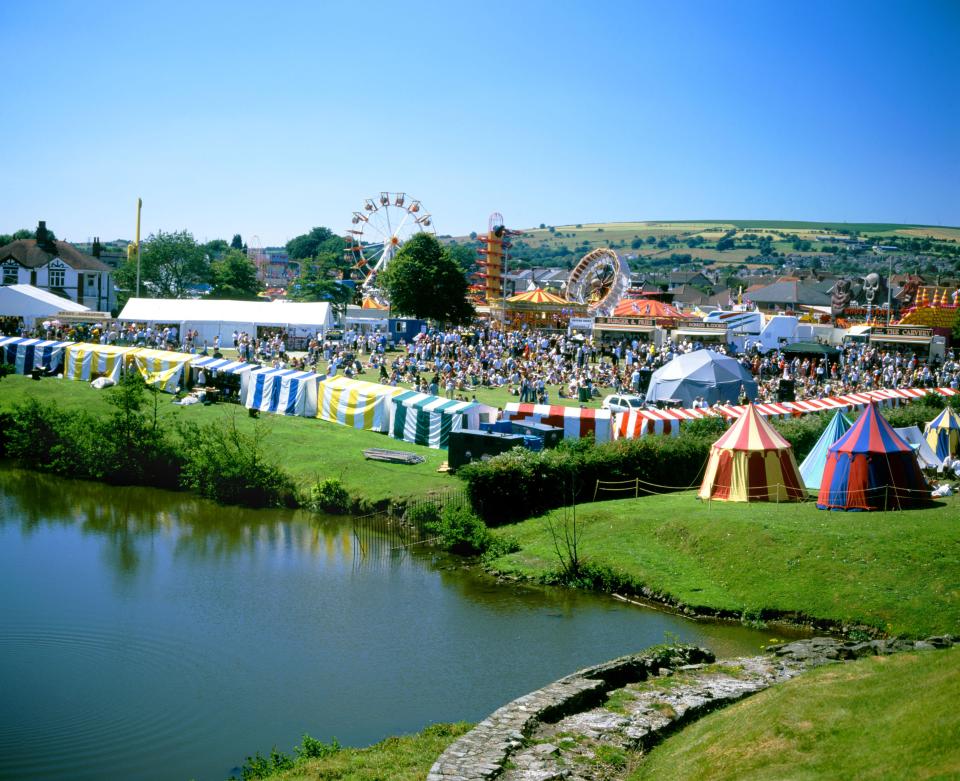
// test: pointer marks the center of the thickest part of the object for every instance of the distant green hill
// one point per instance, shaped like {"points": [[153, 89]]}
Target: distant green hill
{"points": [[721, 242]]}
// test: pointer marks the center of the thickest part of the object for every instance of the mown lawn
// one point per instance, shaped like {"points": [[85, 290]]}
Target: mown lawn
{"points": [[878, 718], [309, 449], [896, 571]]}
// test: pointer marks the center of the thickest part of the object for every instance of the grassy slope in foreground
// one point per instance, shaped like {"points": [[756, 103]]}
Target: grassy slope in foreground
{"points": [[404, 758], [897, 571], [860, 720], [309, 449]]}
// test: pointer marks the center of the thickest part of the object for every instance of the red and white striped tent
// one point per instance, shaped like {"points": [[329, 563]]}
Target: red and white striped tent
{"points": [[640, 423], [576, 422]]}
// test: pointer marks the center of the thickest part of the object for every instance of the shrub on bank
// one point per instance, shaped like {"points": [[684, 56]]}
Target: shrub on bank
{"points": [[521, 483], [330, 496], [229, 466], [460, 531]]}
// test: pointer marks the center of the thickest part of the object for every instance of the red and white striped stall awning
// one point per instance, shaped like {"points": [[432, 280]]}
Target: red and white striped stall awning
{"points": [[667, 421], [576, 422]]}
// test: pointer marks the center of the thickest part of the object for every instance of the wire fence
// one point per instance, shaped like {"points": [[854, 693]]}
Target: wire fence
{"points": [[402, 526]]}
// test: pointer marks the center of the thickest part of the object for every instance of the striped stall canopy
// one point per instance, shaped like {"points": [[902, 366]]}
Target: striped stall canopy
{"points": [[871, 468], [363, 405], [752, 462], [576, 422], [221, 365], [85, 361], [162, 369], [428, 420], [25, 354], [943, 434], [281, 391]]}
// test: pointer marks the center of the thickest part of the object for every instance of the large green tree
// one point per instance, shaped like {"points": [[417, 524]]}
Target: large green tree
{"points": [[171, 264], [424, 281], [318, 241], [234, 276]]}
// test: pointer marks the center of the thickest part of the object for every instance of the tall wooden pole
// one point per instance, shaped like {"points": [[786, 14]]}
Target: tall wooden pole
{"points": [[139, 206]]}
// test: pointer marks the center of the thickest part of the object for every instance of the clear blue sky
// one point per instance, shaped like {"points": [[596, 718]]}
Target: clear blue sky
{"points": [[268, 118]]}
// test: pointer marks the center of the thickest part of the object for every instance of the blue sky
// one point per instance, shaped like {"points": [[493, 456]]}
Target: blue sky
{"points": [[270, 118]]}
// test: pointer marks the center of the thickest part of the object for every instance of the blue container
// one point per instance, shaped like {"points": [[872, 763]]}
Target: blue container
{"points": [[533, 443], [488, 427], [503, 427]]}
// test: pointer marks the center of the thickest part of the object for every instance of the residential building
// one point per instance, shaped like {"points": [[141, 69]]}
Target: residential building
{"points": [[60, 268]]}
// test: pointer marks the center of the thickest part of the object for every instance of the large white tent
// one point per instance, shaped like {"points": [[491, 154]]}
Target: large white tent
{"points": [[215, 317], [31, 303]]}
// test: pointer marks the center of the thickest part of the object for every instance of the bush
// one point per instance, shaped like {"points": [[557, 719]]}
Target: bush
{"points": [[330, 496], [521, 484], [460, 531], [311, 748], [231, 467]]}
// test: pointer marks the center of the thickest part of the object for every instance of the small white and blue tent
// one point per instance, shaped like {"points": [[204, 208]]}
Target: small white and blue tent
{"points": [[811, 470], [25, 354], [428, 420], [281, 391], [220, 366]]}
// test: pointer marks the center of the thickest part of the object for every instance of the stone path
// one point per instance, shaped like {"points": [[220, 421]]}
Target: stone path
{"points": [[594, 724]]}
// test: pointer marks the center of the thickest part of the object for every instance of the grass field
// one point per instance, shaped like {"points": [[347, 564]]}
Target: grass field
{"points": [[877, 718], [404, 758], [309, 449], [896, 571]]}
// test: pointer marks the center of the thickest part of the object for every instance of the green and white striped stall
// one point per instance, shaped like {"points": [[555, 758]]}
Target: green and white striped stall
{"points": [[428, 420]]}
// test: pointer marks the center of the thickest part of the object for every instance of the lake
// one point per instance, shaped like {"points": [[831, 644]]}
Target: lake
{"points": [[149, 635]]}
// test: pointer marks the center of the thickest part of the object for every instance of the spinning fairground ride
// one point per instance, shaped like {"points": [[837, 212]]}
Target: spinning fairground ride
{"points": [[377, 232], [600, 281]]}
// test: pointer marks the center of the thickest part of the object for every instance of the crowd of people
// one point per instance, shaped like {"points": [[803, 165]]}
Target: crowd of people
{"points": [[529, 365]]}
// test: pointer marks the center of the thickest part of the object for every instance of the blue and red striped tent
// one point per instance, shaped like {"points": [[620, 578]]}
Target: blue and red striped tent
{"points": [[871, 468]]}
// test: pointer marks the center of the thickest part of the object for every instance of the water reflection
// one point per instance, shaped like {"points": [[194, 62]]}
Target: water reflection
{"points": [[155, 635]]}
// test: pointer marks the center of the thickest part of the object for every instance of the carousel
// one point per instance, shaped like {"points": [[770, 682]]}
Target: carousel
{"points": [[537, 308]]}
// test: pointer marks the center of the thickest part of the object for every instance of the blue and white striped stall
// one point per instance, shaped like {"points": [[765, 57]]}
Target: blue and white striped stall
{"points": [[220, 366], [25, 354], [281, 391]]}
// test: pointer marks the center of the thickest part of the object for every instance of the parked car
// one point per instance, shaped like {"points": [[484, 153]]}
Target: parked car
{"points": [[622, 402]]}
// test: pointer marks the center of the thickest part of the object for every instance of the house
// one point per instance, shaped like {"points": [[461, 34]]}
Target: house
{"points": [[788, 295], [59, 268]]}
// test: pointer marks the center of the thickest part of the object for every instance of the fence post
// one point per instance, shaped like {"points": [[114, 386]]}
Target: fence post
{"points": [[636, 488]]}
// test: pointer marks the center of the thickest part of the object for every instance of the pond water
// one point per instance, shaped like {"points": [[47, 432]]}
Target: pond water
{"points": [[153, 635]]}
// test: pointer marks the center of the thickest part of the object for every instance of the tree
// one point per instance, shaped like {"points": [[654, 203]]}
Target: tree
{"points": [[325, 278], [236, 242], [316, 242], [465, 257], [424, 281], [216, 249], [171, 264], [234, 276]]}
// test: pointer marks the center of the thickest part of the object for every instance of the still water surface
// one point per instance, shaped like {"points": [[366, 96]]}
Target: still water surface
{"points": [[152, 635]]}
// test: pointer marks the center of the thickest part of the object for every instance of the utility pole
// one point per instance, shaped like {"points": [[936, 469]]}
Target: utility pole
{"points": [[139, 206]]}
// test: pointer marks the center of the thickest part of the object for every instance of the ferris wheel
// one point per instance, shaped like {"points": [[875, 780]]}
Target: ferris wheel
{"points": [[600, 280], [380, 228]]}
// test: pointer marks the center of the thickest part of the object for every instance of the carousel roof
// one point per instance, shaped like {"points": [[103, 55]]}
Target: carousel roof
{"points": [[645, 307], [537, 296], [372, 303]]}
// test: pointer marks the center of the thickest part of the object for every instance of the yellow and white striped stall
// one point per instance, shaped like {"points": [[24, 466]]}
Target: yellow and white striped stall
{"points": [[162, 368], [355, 403], [86, 361]]}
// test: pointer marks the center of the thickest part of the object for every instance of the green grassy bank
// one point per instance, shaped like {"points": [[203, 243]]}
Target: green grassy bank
{"points": [[307, 449], [898, 572], [404, 758], [878, 718]]}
